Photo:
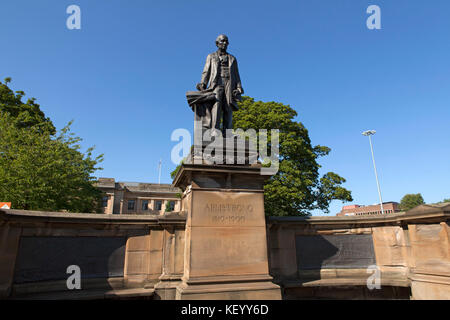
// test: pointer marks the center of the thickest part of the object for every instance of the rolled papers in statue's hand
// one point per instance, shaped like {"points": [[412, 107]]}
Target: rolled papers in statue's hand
{"points": [[200, 97]]}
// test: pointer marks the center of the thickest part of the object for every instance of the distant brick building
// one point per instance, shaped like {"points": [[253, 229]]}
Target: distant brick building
{"points": [[138, 198], [358, 210]]}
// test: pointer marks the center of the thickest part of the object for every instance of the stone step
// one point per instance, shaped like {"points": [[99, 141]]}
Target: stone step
{"points": [[134, 293]]}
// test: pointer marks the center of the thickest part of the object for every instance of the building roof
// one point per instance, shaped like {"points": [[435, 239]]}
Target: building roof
{"points": [[137, 186], [148, 187], [106, 183], [354, 206]]}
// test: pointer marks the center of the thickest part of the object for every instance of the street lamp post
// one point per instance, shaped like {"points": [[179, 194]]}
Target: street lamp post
{"points": [[159, 171], [369, 133]]}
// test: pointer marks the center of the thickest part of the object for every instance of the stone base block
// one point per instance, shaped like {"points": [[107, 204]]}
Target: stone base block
{"points": [[198, 289], [166, 288]]}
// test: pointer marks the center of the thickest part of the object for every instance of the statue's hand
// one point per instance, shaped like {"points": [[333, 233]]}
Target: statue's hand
{"points": [[237, 92], [201, 86]]}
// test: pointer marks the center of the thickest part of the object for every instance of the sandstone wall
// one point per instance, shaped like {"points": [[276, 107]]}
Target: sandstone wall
{"points": [[410, 251], [113, 251], [317, 257]]}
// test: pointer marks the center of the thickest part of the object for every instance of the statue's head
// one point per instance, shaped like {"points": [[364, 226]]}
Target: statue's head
{"points": [[222, 42]]}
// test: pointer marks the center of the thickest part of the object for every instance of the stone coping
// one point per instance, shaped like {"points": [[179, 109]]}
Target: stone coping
{"points": [[423, 213], [253, 169], [173, 217], [433, 214]]}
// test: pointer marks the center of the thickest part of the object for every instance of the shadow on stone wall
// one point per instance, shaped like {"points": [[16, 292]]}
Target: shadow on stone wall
{"points": [[47, 259], [347, 293], [320, 252]]}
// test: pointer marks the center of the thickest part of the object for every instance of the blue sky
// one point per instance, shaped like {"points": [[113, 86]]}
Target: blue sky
{"points": [[124, 75]]}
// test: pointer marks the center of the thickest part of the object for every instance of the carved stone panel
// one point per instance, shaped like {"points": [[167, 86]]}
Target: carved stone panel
{"points": [[335, 251], [47, 258]]}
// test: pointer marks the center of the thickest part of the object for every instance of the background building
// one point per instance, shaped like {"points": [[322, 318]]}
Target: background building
{"points": [[138, 198], [358, 210]]}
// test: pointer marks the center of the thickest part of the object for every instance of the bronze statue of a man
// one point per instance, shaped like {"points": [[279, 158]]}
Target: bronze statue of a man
{"points": [[221, 76]]}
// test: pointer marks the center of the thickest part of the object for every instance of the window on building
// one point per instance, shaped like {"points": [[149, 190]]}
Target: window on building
{"points": [[131, 204], [144, 204], [105, 201], [170, 206], [158, 204]]}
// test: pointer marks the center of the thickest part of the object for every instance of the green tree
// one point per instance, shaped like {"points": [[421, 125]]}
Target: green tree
{"points": [[446, 200], [297, 187], [23, 114], [410, 201], [175, 171], [40, 170]]}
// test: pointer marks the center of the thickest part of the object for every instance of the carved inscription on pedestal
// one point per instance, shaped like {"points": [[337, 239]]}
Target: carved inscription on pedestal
{"points": [[228, 213], [212, 208], [227, 233]]}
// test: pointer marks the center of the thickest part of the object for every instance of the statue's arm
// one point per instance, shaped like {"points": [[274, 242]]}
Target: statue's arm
{"points": [[206, 72], [238, 79]]}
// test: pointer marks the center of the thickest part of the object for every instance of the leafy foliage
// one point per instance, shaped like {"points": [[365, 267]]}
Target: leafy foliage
{"points": [[40, 170], [169, 206], [410, 201], [297, 187], [23, 115]]}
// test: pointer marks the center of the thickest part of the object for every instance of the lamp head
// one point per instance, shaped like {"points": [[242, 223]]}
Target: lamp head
{"points": [[369, 133]]}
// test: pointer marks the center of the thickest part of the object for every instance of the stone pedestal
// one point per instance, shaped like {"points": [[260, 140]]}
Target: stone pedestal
{"points": [[225, 254], [233, 150], [172, 263]]}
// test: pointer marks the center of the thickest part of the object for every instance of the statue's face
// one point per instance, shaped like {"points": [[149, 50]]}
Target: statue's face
{"points": [[222, 43]]}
